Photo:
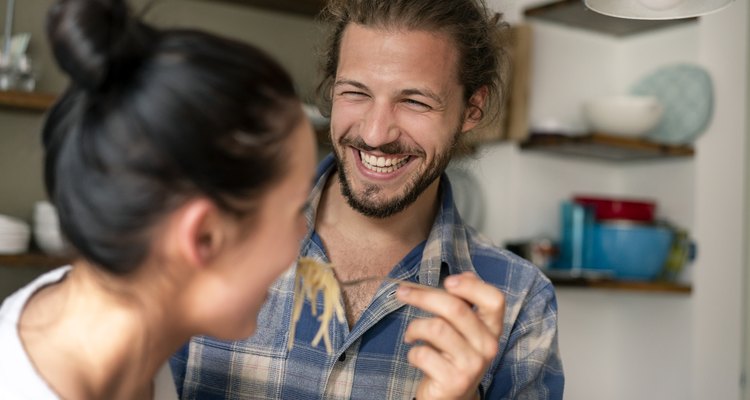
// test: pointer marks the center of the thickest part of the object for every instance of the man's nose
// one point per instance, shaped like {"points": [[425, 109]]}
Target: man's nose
{"points": [[379, 125]]}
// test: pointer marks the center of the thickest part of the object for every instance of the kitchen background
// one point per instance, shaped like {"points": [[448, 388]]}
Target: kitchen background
{"points": [[615, 344]]}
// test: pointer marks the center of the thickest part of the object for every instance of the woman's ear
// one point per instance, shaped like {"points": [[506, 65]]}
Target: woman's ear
{"points": [[199, 232], [474, 111]]}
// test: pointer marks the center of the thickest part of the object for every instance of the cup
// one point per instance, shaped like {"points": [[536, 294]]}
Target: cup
{"points": [[577, 221]]}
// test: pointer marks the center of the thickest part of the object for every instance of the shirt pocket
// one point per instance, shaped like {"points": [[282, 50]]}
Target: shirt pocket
{"points": [[271, 335]]}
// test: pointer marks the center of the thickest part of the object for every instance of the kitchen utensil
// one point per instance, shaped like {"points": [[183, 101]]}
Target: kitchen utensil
{"points": [[623, 115], [632, 251], [681, 253], [47, 235], [576, 222], [608, 208], [14, 235], [686, 92]]}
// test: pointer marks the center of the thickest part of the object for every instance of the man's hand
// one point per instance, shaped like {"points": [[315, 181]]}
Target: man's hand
{"points": [[459, 342]]}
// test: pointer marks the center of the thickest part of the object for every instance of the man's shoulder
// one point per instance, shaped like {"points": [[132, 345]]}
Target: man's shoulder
{"points": [[504, 269]]}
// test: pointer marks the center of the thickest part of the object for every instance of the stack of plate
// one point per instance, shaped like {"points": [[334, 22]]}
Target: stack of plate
{"points": [[47, 229], [14, 235]]}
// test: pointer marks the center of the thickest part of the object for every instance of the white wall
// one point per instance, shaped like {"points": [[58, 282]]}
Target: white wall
{"points": [[570, 64], [719, 209], [630, 345]]}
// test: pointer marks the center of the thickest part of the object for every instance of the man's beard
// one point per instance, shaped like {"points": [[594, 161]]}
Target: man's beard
{"points": [[414, 187]]}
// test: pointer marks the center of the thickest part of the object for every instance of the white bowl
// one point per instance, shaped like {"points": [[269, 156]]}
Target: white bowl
{"points": [[11, 225], [623, 115], [16, 243], [50, 241]]}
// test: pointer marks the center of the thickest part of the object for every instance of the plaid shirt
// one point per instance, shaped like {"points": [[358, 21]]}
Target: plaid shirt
{"points": [[369, 361]]}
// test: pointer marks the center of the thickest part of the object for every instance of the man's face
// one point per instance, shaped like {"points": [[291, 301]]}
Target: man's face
{"points": [[397, 112]]}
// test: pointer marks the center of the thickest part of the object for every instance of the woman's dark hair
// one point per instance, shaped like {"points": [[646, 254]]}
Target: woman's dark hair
{"points": [[478, 34], [151, 118]]}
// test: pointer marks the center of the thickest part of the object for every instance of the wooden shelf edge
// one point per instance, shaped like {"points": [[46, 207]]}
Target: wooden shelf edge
{"points": [[642, 144], [604, 147], [635, 286], [32, 260], [31, 101]]}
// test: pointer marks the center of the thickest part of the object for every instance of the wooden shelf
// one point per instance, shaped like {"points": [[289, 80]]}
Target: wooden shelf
{"points": [[656, 286], [36, 260], [604, 147], [574, 13], [30, 101]]}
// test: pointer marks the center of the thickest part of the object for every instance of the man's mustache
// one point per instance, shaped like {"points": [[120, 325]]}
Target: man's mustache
{"points": [[388, 148]]}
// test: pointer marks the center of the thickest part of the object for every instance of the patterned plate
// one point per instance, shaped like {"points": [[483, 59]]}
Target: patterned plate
{"points": [[686, 92]]}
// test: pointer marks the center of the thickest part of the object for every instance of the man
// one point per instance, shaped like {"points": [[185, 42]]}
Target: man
{"points": [[404, 79]]}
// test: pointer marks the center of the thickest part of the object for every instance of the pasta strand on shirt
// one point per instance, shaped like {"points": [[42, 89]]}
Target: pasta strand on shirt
{"points": [[312, 277]]}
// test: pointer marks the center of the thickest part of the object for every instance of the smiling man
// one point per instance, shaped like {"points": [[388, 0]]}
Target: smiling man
{"points": [[403, 80]]}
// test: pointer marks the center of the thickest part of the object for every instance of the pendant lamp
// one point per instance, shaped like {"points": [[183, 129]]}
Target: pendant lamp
{"points": [[656, 9]]}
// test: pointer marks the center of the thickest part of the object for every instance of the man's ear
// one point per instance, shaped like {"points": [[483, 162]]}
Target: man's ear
{"points": [[199, 234], [475, 109]]}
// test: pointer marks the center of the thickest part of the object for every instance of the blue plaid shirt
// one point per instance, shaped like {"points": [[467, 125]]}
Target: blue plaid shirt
{"points": [[369, 360]]}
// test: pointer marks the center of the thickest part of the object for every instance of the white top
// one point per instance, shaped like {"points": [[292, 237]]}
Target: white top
{"points": [[18, 377]]}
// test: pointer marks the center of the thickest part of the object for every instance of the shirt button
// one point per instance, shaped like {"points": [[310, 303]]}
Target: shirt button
{"points": [[342, 357]]}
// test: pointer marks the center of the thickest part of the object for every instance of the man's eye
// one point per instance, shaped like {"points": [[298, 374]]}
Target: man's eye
{"points": [[353, 94], [417, 104]]}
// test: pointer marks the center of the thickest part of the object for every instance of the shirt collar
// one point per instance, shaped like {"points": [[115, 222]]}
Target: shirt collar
{"points": [[446, 250]]}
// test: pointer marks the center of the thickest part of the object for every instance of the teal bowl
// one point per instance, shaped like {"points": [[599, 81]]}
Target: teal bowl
{"points": [[631, 251]]}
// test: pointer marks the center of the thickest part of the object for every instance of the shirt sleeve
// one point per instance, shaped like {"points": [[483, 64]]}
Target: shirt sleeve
{"points": [[530, 367]]}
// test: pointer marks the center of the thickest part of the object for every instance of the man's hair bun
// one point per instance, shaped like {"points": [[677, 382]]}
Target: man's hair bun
{"points": [[96, 41]]}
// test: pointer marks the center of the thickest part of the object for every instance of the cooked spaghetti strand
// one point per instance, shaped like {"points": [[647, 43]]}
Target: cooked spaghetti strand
{"points": [[313, 277]]}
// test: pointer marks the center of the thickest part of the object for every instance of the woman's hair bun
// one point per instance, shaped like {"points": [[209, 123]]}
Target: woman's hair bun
{"points": [[96, 41]]}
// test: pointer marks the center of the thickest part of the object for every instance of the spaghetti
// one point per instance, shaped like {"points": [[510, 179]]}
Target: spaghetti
{"points": [[313, 277]]}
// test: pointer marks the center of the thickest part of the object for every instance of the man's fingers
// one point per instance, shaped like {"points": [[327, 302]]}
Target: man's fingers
{"points": [[489, 302], [456, 311], [441, 336]]}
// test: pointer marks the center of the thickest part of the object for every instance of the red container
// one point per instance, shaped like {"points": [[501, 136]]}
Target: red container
{"points": [[608, 209]]}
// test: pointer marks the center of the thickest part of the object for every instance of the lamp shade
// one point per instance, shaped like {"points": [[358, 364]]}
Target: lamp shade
{"points": [[656, 9]]}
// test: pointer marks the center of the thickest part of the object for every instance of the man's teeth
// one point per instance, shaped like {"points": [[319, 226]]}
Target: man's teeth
{"points": [[382, 164]]}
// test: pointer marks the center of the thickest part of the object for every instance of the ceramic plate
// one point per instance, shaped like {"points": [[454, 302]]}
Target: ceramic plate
{"points": [[686, 92]]}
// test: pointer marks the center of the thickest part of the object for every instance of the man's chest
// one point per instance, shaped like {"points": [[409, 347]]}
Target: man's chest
{"points": [[353, 265]]}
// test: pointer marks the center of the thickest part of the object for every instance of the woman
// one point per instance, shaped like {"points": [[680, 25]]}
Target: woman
{"points": [[179, 163]]}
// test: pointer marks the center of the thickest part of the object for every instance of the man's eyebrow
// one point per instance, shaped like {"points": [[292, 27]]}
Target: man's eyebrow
{"points": [[356, 84]]}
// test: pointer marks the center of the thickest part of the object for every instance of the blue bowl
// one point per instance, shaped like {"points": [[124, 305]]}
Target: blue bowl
{"points": [[631, 251]]}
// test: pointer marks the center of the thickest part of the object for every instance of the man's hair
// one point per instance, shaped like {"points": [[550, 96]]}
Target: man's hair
{"points": [[476, 32]]}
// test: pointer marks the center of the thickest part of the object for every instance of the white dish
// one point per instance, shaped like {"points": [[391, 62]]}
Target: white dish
{"points": [[11, 225], [45, 213], [623, 115], [50, 241], [14, 244]]}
